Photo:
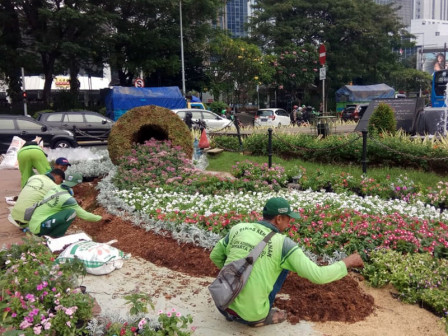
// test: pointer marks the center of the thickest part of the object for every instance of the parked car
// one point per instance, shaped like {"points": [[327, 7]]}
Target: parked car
{"points": [[88, 126], [213, 122], [275, 117], [28, 129], [349, 113], [354, 111]]}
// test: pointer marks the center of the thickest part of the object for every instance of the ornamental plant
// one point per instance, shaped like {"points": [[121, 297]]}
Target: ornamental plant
{"points": [[382, 120], [418, 278], [156, 163], [167, 323], [39, 297]]}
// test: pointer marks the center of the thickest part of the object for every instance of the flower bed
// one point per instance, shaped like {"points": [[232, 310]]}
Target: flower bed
{"points": [[39, 297], [200, 209]]}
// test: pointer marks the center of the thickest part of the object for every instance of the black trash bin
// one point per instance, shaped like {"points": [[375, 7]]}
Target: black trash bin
{"points": [[323, 129]]}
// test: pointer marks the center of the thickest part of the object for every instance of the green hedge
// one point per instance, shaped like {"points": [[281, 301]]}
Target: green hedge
{"points": [[392, 150]]}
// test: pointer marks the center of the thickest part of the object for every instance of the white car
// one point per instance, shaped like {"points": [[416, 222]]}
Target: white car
{"points": [[213, 122], [274, 117]]}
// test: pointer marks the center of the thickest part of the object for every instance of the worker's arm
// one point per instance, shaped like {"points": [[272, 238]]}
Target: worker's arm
{"points": [[295, 260]]}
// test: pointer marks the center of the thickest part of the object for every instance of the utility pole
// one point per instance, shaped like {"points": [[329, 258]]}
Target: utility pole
{"points": [[25, 109], [182, 49]]}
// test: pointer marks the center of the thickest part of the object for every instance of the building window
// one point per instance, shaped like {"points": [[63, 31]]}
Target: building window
{"points": [[437, 33]]}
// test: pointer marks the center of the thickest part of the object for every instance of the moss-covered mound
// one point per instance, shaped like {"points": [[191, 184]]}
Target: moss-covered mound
{"points": [[143, 123]]}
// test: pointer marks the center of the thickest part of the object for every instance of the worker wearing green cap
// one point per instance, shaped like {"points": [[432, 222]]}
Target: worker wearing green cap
{"points": [[54, 216], [253, 305]]}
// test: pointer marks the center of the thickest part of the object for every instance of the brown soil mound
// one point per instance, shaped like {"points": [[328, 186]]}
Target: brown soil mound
{"points": [[342, 300]]}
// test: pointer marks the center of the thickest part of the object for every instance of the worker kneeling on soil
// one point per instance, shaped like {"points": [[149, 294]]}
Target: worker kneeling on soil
{"points": [[253, 305], [34, 191], [55, 216]]}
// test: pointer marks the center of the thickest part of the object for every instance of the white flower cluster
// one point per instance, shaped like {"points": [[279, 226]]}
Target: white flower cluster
{"points": [[136, 204]]}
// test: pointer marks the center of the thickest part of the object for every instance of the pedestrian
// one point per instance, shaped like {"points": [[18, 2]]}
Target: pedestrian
{"points": [[253, 305], [54, 217], [223, 113], [189, 120], [31, 156], [34, 191], [294, 115]]}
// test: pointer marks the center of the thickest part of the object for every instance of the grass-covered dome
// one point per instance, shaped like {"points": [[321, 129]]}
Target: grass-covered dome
{"points": [[143, 123]]}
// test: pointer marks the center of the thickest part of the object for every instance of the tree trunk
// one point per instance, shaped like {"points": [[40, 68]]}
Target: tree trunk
{"points": [[48, 60], [74, 82]]}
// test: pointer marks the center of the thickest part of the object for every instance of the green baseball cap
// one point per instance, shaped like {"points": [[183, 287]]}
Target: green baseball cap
{"points": [[279, 206], [72, 180]]}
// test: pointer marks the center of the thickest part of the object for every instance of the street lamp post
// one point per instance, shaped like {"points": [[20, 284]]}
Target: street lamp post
{"points": [[182, 49]]}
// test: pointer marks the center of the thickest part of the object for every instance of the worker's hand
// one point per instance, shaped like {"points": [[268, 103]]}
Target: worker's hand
{"points": [[353, 260], [107, 217]]}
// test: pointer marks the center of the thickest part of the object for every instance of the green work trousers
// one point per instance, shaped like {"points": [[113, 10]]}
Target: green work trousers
{"points": [[29, 159], [56, 225]]}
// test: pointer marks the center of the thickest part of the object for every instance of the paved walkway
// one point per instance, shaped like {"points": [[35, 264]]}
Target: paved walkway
{"points": [[9, 186]]}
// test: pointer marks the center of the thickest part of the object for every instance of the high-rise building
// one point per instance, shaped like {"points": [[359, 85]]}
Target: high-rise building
{"points": [[431, 9], [236, 16], [405, 9]]}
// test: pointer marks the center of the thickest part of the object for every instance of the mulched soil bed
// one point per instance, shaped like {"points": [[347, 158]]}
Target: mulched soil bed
{"points": [[342, 300]]}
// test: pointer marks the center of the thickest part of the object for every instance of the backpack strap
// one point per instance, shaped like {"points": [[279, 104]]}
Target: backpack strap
{"points": [[50, 198], [256, 251]]}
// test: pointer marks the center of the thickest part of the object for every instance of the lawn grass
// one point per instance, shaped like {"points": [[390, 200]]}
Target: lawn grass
{"points": [[225, 161]]}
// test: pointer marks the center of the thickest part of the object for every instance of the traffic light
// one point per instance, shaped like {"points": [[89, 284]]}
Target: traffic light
{"points": [[24, 94]]}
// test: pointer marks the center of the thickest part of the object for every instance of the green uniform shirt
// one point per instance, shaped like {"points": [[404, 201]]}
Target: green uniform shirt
{"points": [[252, 303], [33, 191], [61, 202]]}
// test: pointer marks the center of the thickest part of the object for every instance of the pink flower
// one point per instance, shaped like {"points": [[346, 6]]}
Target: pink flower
{"points": [[25, 324], [141, 323], [68, 324], [37, 330]]}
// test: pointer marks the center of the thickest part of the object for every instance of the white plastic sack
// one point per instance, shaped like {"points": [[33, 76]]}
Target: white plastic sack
{"points": [[98, 258], [10, 158]]}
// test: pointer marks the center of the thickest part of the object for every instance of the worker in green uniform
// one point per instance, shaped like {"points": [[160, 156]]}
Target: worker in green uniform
{"points": [[253, 305], [30, 156], [54, 217], [34, 191]]}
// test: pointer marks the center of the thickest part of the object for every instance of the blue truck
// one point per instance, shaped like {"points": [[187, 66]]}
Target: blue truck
{"points": [[121, 99]]}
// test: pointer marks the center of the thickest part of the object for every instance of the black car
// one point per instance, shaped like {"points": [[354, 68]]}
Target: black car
{"points": [[88, 126], [28, 129]]}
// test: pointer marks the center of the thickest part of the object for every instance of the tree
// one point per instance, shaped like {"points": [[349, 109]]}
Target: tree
{"points": [[411, 80], [147, 38], [58, 31], [236, 67], [360, 36]]}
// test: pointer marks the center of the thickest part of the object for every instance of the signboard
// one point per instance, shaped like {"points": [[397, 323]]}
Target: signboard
{"points": [[431, 60], [405, 110], [62, 82], [322, 73], [139, 83], [322, 54]]}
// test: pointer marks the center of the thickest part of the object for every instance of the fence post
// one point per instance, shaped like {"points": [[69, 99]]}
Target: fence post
{"points": [[237, 126], [364, 152], [270, 147]]}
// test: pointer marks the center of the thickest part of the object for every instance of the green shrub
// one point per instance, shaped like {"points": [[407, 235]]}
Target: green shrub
{"points": [[382, 120], [228, 143], [217, 107]]}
